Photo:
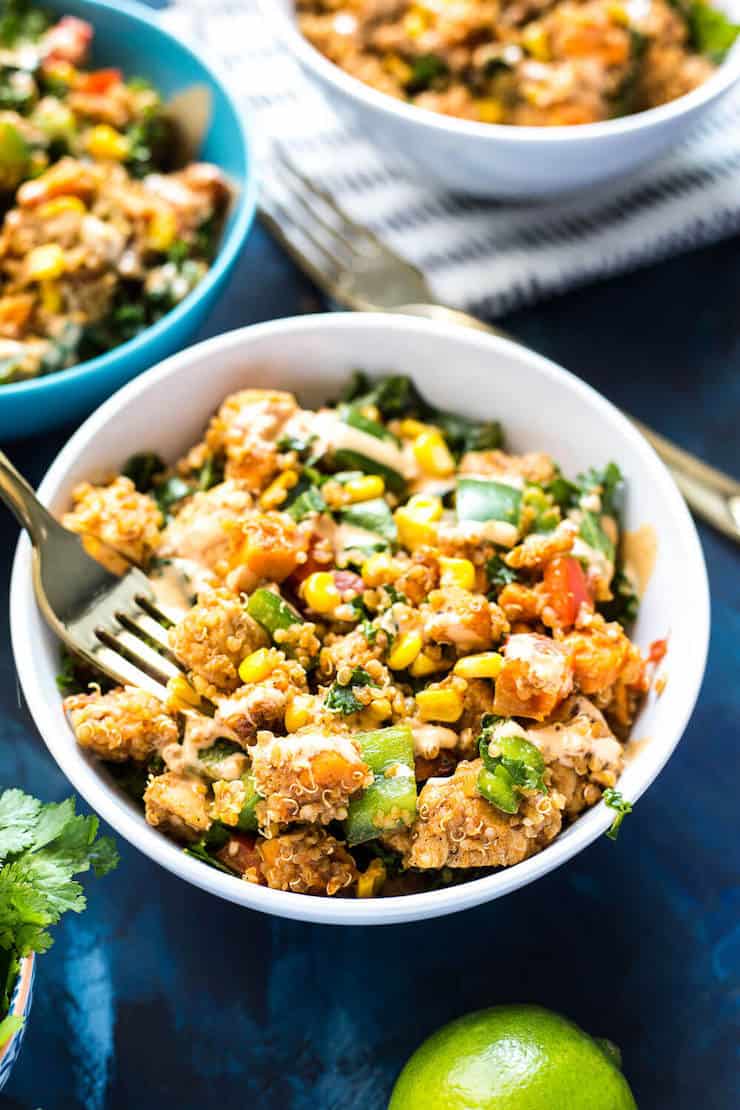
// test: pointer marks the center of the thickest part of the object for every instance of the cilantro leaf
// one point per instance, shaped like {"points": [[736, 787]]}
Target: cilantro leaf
{"points": [[342, 699], [18, 816], [499, 574], [614, 800], [607, 483], [42, 848]]}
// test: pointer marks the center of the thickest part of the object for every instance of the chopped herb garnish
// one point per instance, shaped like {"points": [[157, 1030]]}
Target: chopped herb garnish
{"points": [[220, 749], [168, 493], [614, 800], [426, 70], [142, 469], [342, 699]]}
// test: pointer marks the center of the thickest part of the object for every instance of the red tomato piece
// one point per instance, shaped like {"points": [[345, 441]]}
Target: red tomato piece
{"points": [[99, 81], [657, 652], [566, 588], [239, 853], [68, 40]]}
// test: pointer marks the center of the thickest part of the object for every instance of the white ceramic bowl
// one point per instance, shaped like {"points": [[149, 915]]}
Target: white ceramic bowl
{"points": [[542, 407], [494, 160]]}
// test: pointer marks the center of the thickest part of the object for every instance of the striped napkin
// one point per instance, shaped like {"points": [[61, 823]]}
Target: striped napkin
{"points": [[485, 256]]}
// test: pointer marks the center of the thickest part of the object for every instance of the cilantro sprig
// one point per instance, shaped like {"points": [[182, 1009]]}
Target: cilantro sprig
{"points": [[343, 699], [42, 848], [615, 801]]}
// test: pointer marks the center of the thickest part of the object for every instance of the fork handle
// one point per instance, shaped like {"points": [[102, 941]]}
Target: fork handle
{"points": [[23, 502], [710, 494]]}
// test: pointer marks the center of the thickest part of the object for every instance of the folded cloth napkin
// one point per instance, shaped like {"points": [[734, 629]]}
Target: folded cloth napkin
{"points": [[485, 256]]}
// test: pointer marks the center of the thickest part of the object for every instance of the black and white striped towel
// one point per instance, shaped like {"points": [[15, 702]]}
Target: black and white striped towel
{"points": [[488, 257]]}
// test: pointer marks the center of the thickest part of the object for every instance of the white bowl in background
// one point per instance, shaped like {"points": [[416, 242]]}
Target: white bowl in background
{"points": [[496, 160], [542, 407]]}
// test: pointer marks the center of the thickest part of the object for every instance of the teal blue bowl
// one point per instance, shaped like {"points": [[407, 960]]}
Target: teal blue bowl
{"points": [[128, 36]]}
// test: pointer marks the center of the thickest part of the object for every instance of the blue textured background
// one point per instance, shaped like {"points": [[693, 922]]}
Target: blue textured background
{"points": [[161, 996]]}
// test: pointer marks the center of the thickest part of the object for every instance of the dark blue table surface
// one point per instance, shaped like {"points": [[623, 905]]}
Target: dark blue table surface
{"points": [[161, 996]]}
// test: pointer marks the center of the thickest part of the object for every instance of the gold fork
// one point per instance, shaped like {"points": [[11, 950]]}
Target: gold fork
{"points": [[107, 615], [357, 271]]}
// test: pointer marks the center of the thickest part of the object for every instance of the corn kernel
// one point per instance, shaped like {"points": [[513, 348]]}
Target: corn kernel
{"points": [[370, 882], [51, 297], [619, 14], [46, 262], [376, 569], [457, 572], [162, 230], [372, 412], [426, 507], [379, 710], [487, 664], [398, 68], [410, 428], [440, 705], [277, 491], [104, 142], [364, 489], [412, 532], [298, 712], [181, 694], [404, 650], [59, 205], [257, 666], [425, 665], [489, 110], [433, 455], [534, 41], [320, 592]]}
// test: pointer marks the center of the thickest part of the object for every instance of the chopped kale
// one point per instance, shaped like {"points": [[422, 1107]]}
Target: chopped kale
{"points": [[168, 493], [305, 498], [150, 143], [614, 800], [625, 603], [75, 676], [342, 699], [142, 469], [607, 483], [427, 70], [212, 841]]}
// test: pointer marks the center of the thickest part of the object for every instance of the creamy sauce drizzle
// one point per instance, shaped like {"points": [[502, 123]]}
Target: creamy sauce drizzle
{"points": [[640, 549]]}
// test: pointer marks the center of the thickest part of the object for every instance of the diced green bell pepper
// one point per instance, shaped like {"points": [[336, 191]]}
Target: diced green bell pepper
{"points": [[15, 155], [373, 516], [248, 816], [344, 459], [271, 611], [390, 801]]}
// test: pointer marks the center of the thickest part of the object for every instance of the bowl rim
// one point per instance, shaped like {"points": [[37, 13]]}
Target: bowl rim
{"points": [[229, 247], [727, 73], [91, 785], [20, 999]]}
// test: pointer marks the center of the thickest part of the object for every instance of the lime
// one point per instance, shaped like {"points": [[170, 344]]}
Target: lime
{"points": [[512, 1058]]}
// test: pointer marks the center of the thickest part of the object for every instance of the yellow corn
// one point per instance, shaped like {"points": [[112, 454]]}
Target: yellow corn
{"points": [[410, 428], [59, 205], [426, 507], [46, 262], [619, 14], [412, 532], [376, 569], [370, 882], [534, 41], [440, 705], [277, 490], [320, 592], [257, 666], [365, 489], [489, 109], [379, 710], [425, 665], [416, 22], [103, 141], [486, 665], [404, 650], [181, 693], [51, 297], [372, 412], [433, 455], [457, 572], [162, 230], [397, 68], [298, 712]]}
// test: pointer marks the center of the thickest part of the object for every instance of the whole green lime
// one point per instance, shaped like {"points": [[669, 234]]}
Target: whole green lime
{"points": [[512, 1058]]}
